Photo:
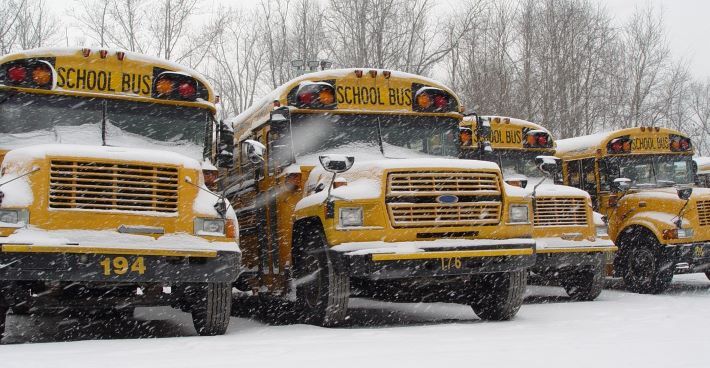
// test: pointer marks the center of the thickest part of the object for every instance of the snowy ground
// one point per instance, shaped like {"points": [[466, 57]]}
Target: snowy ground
{"points": [[620, 329]]}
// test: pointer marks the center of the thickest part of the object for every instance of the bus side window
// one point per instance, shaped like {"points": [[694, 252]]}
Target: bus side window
{"points": [[573, 176]]}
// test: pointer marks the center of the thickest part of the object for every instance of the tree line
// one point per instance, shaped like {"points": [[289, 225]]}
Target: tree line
{"points": [[567, 64]]}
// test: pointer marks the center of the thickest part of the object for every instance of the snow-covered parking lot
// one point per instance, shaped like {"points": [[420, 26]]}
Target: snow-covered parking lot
{"points": [[620, 329]]}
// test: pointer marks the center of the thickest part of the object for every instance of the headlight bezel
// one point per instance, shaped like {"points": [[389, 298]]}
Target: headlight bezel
{"points": [[685, 233], [518, 214], [22, 217], [355, 213], [601, 231], [201, 227]]}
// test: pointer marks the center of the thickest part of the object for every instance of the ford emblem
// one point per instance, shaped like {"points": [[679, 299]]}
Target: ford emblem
{"points": [[447, 198]]}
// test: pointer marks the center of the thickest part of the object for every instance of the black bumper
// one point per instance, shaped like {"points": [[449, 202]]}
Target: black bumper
{"points": [[690, 258], [562, 262], [88, 267], [453, 263]]}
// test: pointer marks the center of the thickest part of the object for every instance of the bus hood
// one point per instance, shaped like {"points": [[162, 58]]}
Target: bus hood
{"points": [[24, 155]]}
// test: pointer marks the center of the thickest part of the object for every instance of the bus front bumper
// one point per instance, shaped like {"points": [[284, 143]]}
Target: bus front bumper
{"points": [[167, 259], [555, 254], [443, 257], [690, 258]]}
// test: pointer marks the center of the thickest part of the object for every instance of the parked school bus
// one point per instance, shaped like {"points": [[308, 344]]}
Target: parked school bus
{"points": [[571, 247], [359, 186], [641, 180], [103, 201]]}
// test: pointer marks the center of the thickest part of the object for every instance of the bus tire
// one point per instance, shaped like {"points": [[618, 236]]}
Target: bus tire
{"points": [[498, 296], [584, 285], [212, 308], [322, 293], [644, 272], [707, 274]]}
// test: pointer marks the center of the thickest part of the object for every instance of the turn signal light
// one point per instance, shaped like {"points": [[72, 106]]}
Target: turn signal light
{"points": [[17, 74], [230, 229], [679, 143], [186, 90], [619, 145], [319, 95], [428, 99], [27, 73], [537, 139], [42, 75], [164, 86]]}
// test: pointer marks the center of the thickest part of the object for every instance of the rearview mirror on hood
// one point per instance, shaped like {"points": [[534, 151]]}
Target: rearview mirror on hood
{"points": [[549, 165], [254, 150], [684, 193], [336, 163], [621, 185]]}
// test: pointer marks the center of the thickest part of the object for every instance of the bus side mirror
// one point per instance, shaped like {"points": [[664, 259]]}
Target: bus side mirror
{"points": [[225, 146], [336, 163], [253, 150], [620, 185], [684, 193], [549, 165]]}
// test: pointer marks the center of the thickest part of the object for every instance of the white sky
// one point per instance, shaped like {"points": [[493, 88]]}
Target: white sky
{"points": [[685, 20], [687, 26]]}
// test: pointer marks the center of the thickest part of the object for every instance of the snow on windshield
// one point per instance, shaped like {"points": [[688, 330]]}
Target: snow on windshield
{"points": [[29, 120], [361, 135]]}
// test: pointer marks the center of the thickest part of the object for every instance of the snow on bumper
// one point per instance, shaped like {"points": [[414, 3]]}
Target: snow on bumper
{"points": [[559, 245], [388, 260], [85, 255]]}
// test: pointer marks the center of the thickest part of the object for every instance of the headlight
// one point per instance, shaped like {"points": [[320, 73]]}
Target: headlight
{"points": [[14, 217], [602, 230], [685, 233], [518, 213], [212, 227], [350, 216]]}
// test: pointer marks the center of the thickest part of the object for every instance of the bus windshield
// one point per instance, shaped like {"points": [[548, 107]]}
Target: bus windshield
{"points": [[650, 170], [359, 135], [516, 162], [27, 119]]}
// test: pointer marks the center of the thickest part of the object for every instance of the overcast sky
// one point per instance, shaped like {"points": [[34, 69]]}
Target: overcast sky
{"points": [[687, 24]]}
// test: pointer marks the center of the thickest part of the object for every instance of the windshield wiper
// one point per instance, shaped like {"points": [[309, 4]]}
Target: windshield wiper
{"points": [[103, 122]]}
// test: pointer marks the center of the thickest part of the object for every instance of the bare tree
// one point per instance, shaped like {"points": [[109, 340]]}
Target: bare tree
{"points": [[94, 18], [169, 26], [647, 54], [128, 16], [9, 14]]}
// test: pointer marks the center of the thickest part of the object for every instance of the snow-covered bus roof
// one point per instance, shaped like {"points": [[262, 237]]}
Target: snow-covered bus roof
{"points": [[591, 145], [127, 75], [254, 116]]}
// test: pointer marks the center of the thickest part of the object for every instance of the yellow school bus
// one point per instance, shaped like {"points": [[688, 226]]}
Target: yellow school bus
{"points": [[572, 247], [641, 179], [349, 180], [103, 200]]}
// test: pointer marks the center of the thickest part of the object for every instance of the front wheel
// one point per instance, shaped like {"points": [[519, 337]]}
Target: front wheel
{"points": [[707, 274], [211, 308], [645, 273], [498, 296], [322, 294], [584, 285]]}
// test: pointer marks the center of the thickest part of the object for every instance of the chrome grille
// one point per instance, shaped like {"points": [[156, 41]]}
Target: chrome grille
{"points": [[436, 214], [413, 198], [112, 186], [437, 183], [704, 212], [560, 211]]}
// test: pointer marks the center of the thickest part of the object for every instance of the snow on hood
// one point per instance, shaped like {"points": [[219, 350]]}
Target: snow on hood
{"points": [[38, 152], [548, 188], [17, 190], [668, 193]]}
